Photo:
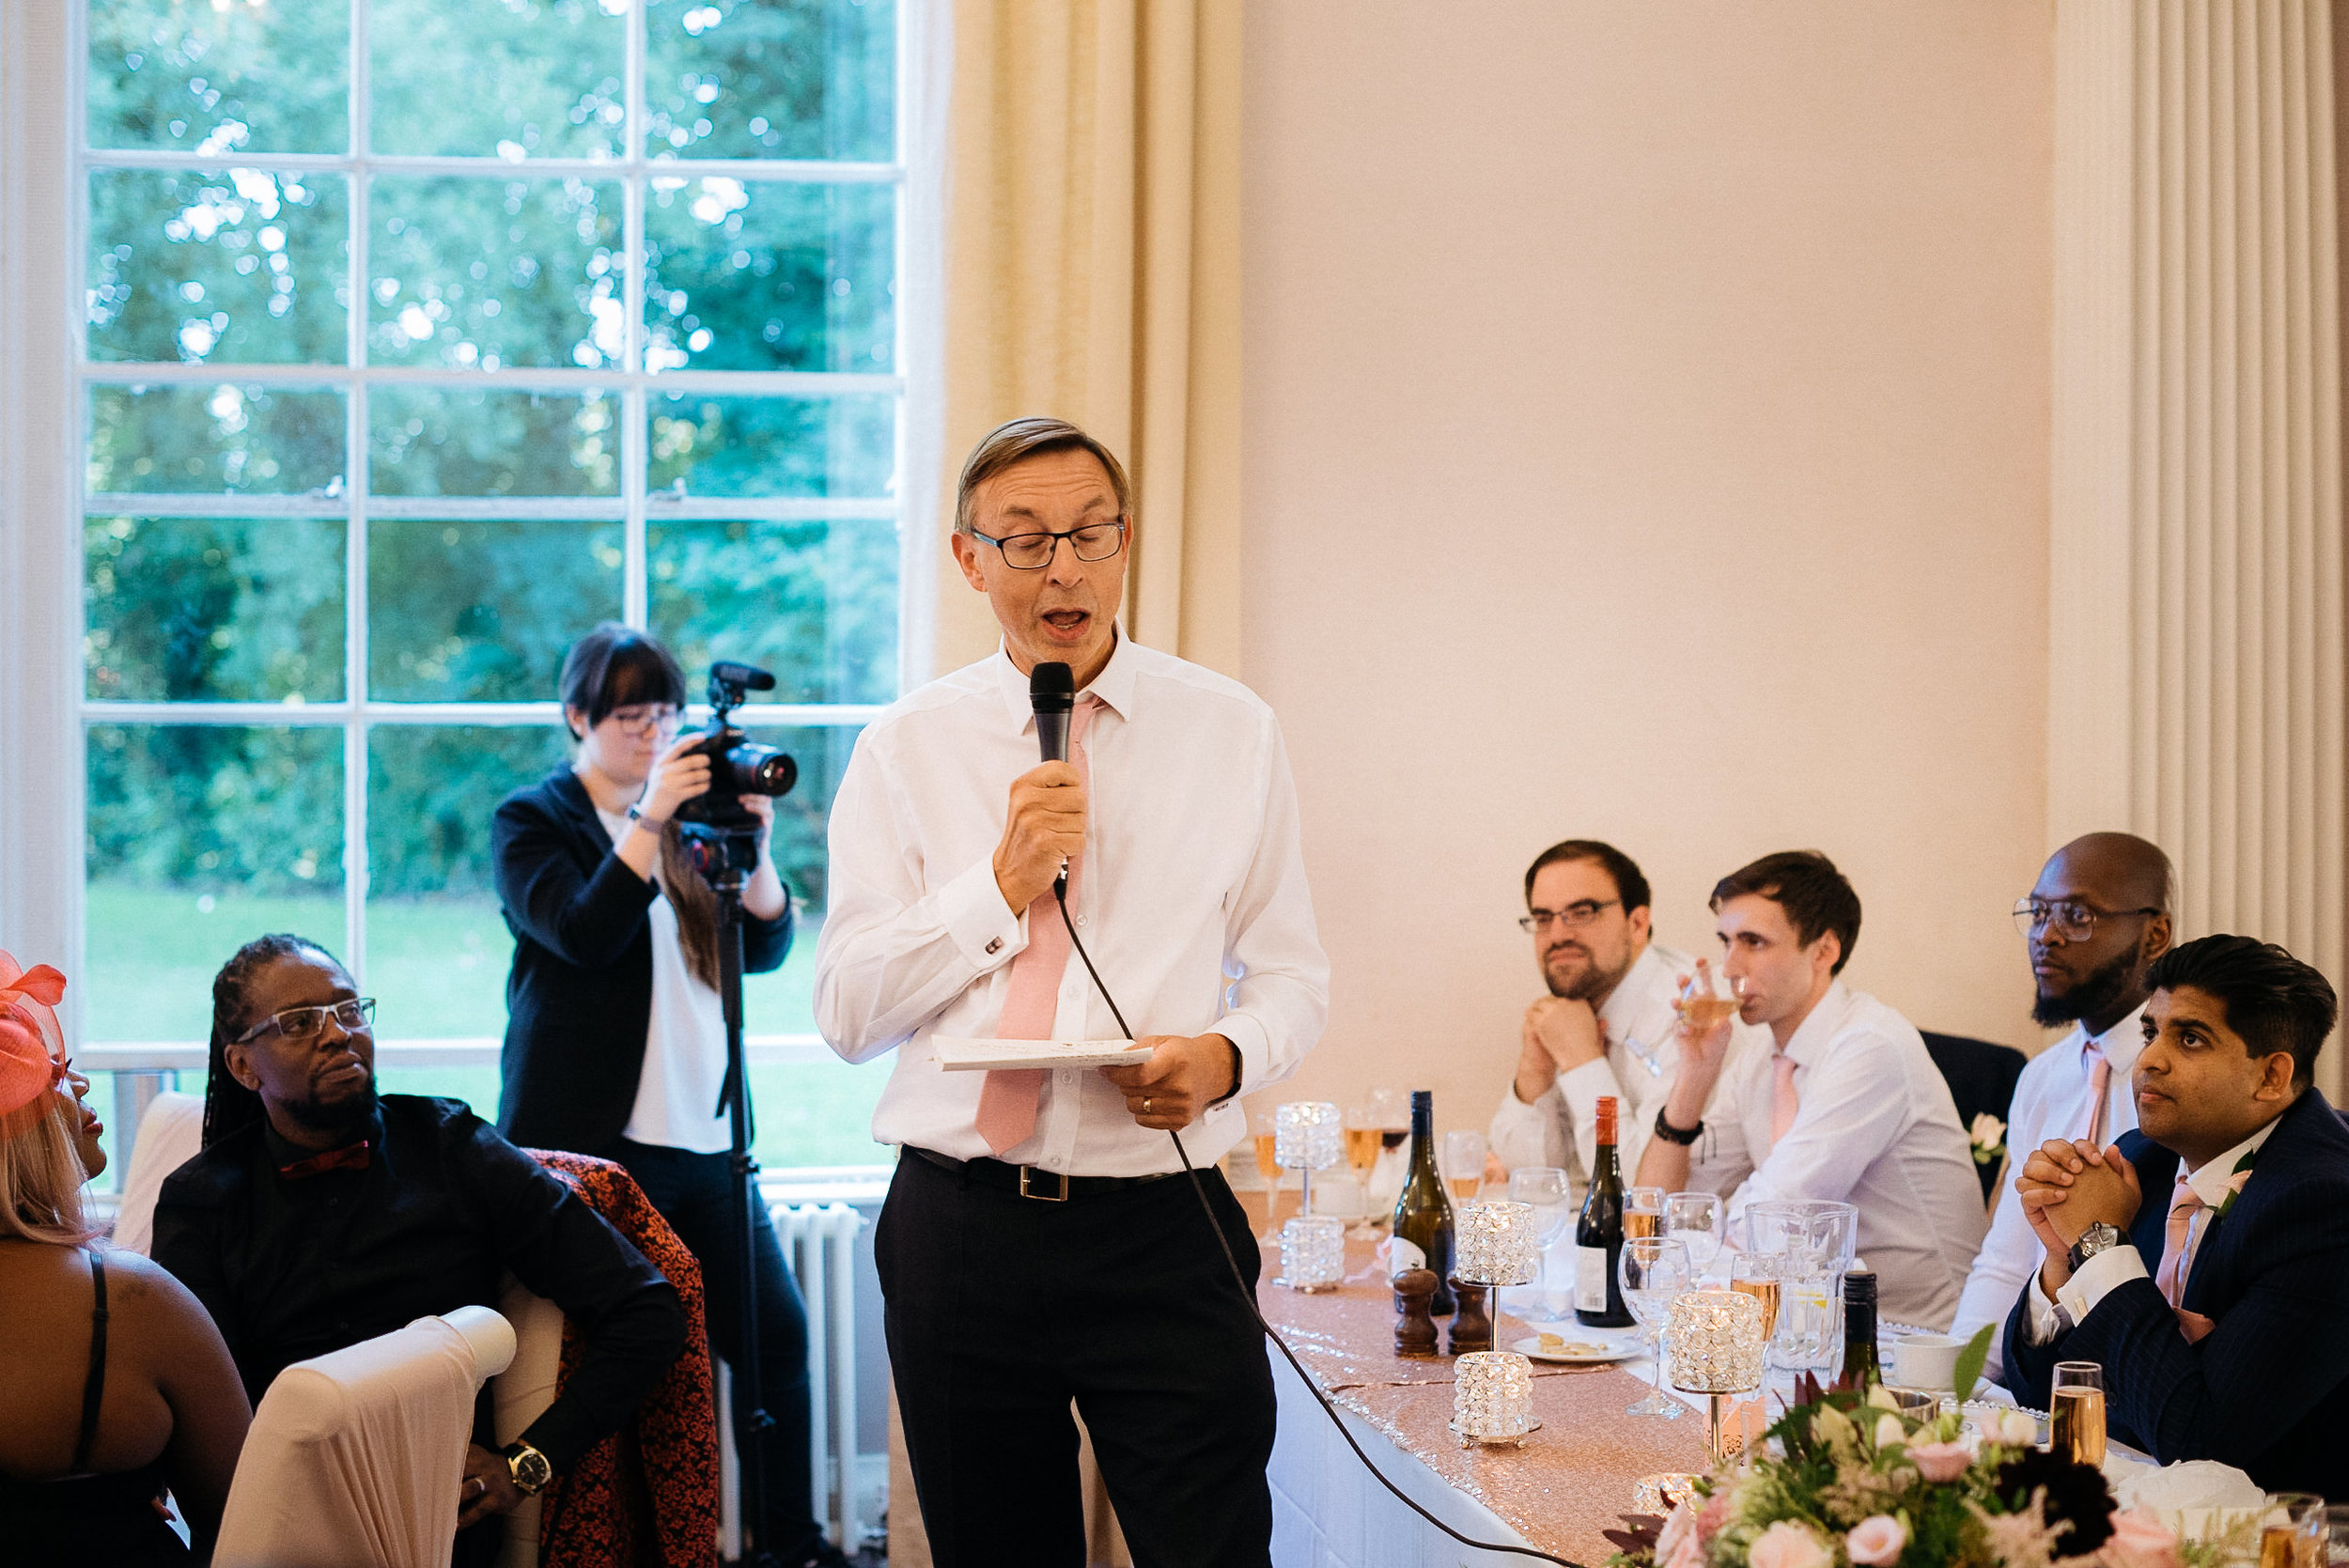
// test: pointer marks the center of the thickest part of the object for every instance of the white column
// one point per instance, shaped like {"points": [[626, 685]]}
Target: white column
{"points": [[2195, 662]]}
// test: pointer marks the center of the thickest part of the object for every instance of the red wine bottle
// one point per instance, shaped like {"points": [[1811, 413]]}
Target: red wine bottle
{"points": [[1598, 1235]]}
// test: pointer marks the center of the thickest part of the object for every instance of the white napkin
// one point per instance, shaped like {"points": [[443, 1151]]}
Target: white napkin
{"points": [[2199, 1498]]}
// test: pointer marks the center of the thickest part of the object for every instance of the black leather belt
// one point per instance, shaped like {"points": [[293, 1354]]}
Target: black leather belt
{"points": [[1030, 1181]]}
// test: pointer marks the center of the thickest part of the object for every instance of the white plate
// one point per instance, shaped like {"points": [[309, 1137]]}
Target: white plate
{"points": [[970, 1056], [1609, 1348]]}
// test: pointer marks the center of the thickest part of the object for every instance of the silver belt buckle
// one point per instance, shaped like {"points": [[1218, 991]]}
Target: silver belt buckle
{"points": [[1061, 1176]]}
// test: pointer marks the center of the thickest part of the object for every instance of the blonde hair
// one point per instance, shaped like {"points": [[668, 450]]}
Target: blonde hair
{"points": [[41, 1180]]}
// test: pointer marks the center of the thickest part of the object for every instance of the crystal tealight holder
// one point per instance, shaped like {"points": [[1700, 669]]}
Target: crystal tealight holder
{"points": [[1313, 1253], [1308, 1136], [1715, 1343], [1492, 1398], [1495, 1244]]}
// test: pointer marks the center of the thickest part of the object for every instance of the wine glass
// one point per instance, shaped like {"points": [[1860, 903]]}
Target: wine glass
{"points": [[1463, 1164], [1548, 1191], [1651, 1271], [1643, 1211], [1267, 1168], [1362, 1136], [1694, 1219]]}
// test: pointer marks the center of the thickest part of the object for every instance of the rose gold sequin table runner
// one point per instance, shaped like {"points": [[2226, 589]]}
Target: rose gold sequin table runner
{"points": [[1571, 1482]]}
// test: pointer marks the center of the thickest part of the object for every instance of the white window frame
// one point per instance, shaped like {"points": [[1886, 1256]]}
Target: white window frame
{"points": [[44, 378]]}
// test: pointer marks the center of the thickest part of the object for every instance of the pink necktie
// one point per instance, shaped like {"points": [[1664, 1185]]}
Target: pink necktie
{"points": [[2177, 1257], [2099, 1076], [1784, 1103], [1008, 1101]]}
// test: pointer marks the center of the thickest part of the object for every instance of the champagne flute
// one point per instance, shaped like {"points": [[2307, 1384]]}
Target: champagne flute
{"points": [[1694, 1219], [1643, 1211], [1362, 1136], [1463, 1164], [1267, 1168], [1652, 1270], [2076, 1413]]}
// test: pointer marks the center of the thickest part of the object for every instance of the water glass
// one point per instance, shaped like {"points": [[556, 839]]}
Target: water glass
{"points": [[1651, 1271], [1694, 1220], [1806, 1246]]}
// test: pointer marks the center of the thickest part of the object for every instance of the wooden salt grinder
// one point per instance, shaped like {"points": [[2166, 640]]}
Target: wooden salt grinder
{"points": [[1414, 1325], [1471, 1326]]}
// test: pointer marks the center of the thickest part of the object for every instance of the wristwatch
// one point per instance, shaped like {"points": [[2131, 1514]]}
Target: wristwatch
{"points": [[2099, 1237], [636, 814], [529, 1467], [1671, 1134]]}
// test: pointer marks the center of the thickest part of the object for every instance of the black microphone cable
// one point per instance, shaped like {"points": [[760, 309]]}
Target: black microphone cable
{"points": [[1060, 895]]}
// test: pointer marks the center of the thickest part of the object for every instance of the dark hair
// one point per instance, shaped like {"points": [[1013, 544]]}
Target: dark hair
{"points": [[229, 1107], [2275, 1001], [1816, 897], [1018, 440], [618, 666], [1630, 886]]}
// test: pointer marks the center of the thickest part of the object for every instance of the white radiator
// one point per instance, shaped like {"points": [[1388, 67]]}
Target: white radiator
{"points": [[819, 1247]]}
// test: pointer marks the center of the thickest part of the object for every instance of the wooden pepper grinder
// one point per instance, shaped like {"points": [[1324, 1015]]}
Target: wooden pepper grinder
{"points": [[1414, 1325], [1471, 1326]]}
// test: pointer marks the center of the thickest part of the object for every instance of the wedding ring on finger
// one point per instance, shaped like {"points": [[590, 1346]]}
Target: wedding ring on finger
{"points": [[1145, 1105]]}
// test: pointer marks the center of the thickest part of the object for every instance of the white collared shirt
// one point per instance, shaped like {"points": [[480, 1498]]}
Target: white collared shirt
{"points": [[2051, 1100], [1560, 1126], [1192, 903], [2115, 1267], [1877, 1128]]}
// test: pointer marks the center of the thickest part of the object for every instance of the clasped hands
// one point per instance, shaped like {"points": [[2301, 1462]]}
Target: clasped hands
{"points": [[2066, 1186]]}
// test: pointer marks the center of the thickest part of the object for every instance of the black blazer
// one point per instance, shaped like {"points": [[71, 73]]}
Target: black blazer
{"points": [[2267, 1390], [579, 1000]]}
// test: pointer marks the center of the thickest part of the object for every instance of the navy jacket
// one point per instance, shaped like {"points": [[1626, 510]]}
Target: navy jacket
{"points": [[2267, 1390], [579, 1000]]}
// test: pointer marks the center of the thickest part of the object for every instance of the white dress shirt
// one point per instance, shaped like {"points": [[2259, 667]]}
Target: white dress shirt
{"points": [[2051, 1100], [1877, 1128], [685, 1039], [2115, 1267], [1192, 903], [1560, 1128]]}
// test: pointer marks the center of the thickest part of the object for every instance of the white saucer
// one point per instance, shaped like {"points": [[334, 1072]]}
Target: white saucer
{"points": [[1598, 1350]]}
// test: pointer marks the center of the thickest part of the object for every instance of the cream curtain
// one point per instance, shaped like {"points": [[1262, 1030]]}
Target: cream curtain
{"points": [[2196, 606], [1091, 271]]}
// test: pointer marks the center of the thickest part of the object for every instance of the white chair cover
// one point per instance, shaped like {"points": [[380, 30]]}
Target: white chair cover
{"points": [[170, 1134], [354, 1457]]}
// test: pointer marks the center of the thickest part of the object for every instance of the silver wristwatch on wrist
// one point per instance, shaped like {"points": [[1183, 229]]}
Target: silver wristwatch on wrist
{"points": [[2099, 1237]]}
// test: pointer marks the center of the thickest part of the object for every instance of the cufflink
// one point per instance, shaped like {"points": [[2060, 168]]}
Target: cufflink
{"points": [[994, 945]]}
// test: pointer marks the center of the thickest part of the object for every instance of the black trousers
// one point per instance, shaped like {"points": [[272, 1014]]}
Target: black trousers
{"points": [[1003, 1310], [694, 1193]]}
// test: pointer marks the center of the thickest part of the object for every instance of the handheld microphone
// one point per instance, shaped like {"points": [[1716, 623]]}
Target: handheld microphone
{"points": [[1053, 690]]}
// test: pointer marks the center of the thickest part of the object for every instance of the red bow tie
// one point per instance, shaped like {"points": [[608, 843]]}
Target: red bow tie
{"points": [[352, 1158]]}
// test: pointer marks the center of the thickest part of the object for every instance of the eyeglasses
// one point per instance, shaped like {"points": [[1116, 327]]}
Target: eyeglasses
{"points": [[645, 719], [306, 1023], [1095, 541], [2066, 918], [1572, 918]]}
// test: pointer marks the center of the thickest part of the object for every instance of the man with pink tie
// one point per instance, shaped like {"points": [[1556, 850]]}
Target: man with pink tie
{"points": [[2202, 1260], [1041, 1247]]}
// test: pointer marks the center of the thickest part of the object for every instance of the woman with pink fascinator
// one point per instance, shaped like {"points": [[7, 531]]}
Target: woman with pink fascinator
{"points": [[115, 1385]]}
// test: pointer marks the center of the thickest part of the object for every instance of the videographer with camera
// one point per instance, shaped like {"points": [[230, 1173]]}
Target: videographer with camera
{"points": [[615, 1038]]}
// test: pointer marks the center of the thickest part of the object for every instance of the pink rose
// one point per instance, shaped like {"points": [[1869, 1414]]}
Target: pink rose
{"points": [[1939, 1461], [1786, 1544], [1716, 1513], [2139, 1539], [1690, 1553], [1877, 1541], [1679, 1525]]}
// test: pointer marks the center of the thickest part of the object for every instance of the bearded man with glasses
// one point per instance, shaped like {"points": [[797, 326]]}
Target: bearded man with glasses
{"points": [[1606, 1026], [2093, 926]]}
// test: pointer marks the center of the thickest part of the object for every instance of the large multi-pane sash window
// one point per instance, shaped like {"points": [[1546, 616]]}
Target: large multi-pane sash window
{"points": [[419, 336]]}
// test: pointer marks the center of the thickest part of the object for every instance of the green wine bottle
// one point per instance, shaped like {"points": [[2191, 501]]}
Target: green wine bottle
{"points": [[1598, 1235], [1423, 1212]]}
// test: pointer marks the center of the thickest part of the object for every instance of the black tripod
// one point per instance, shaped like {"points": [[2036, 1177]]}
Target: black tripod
{"points": [[723, 855]]}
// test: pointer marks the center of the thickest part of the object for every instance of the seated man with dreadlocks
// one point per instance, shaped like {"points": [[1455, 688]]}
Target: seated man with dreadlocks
{"points": [[319, 1214]]}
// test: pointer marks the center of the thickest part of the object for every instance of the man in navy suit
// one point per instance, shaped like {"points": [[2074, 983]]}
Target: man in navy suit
{"points": [[2203, 1260]]}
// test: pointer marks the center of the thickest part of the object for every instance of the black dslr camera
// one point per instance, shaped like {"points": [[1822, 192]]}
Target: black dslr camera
{"points": [[739, 765]]}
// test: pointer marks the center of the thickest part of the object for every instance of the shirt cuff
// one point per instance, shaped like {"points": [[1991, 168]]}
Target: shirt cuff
{"points": [[1515, 1112], [977, 920], [2098, 1278], [2046, 1318], [1247, 1035]]}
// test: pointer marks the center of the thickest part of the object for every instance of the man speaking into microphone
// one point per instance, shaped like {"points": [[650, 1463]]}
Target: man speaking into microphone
{"points": [[1040, 1246]]}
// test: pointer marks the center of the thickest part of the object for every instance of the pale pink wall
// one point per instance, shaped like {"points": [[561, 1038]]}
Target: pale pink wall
{"points": [[1646, 413]]}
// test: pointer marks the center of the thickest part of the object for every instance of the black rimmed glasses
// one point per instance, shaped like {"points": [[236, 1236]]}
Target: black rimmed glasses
{"points": [[1095, 541], [308, 1023], [1572, 918], [2068, 918]]}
